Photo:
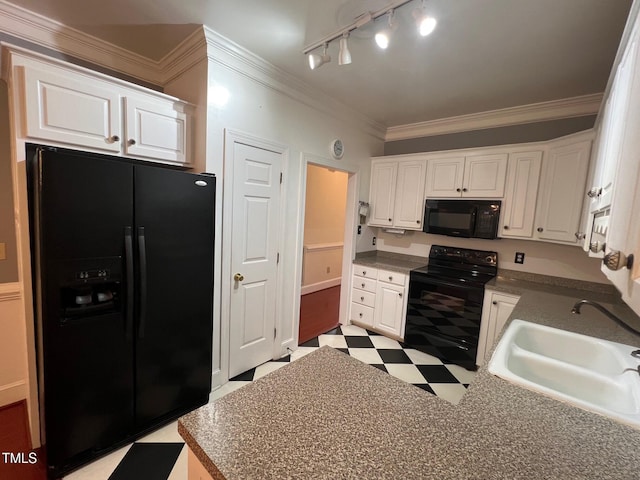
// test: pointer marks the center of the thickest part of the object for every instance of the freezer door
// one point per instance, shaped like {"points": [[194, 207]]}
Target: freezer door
{"points": [[174, 216], [80, 207]]}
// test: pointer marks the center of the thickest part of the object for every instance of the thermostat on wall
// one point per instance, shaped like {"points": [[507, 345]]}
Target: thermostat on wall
{"points": [[337, 148]]}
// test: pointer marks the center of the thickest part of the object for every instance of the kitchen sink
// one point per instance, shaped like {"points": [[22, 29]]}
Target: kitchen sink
{"points": [[588, 372]]}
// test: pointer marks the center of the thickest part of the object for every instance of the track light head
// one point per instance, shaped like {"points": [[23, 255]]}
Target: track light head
{"points": [[426, 24], [344, 57], [383, 37], [316, 60]]}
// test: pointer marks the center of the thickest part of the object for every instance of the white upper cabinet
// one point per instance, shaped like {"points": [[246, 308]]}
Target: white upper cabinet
{"points": [[623, 233], [519, 205], [397, 193], [473, 176], [66, 105], [155, 130], [67, 109], [560, 200]]}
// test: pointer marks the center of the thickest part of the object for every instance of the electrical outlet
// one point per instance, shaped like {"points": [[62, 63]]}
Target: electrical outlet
{"points": [[359, 229], [519, 257], [373, 242]]}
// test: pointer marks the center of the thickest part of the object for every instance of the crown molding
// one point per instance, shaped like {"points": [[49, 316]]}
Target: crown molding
{"points": [[184, 56], [229, 54], [535, 112], [35, 28]]}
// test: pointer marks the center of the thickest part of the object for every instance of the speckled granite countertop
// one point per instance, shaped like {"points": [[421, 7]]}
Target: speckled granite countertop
{"points": [[395, 262], [329, 416]]}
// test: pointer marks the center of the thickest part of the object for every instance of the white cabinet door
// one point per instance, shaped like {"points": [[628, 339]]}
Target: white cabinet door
{"points": [[519, 205], [390, 306], [409, 200], [484, 176], [155, 129], [496, 309], [383, 192], [564, 175], [72, 110], [444, 177]]}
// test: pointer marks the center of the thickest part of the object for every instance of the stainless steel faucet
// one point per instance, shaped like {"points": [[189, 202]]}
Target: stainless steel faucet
{"points": [[576, 309]]}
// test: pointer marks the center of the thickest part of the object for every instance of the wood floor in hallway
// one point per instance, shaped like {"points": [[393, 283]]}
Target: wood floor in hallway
{"points": [[15, 446], [319, 313]]}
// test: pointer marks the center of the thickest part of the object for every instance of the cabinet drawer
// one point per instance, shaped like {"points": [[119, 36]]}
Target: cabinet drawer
{"points": [[363, 271], [365, 298], [362, 313], [366, 284], [392, 277]]}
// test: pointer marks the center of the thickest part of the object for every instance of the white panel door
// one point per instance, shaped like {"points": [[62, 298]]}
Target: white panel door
{"points": [[409, 205], [444, 177], [484, 176], [383, 193], [254, 250], [155, 129], [561, 195], [519, 206], [71, 109]]}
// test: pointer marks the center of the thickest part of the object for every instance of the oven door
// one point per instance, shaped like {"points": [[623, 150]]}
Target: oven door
{"points": [[456, 218], [443, 319]]}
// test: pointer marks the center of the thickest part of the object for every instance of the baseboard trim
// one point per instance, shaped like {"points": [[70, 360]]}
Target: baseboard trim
{"points": [[13, 392], [316, 287]]}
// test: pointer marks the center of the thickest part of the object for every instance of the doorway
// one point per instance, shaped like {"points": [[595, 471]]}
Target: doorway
{"points": [[323, 245]]}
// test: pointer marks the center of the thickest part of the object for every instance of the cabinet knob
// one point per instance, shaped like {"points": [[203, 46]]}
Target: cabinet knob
{"points": [[579, 235], [417, 221], [458, 190], [363, 285], [596, 247], [364, 272], [506, 227], [400, 295], [114, 138], [390, 279], [361, 315], [494, 303], [389, 219], [540, 229], [464, 189], [594, 192], [132, 141], [615, 260], [362, 299]]}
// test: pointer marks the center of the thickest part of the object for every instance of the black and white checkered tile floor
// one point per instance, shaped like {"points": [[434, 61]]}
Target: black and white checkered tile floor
{"points": [[448, 381], [424, 371]]}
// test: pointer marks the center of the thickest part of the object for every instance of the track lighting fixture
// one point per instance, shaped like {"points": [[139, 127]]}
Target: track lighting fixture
{"points": [[426, 24], [316, 61], [344, 57], [384, 36]]}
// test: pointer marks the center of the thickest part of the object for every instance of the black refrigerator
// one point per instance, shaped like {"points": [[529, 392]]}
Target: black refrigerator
{"points": [[123, 281]]}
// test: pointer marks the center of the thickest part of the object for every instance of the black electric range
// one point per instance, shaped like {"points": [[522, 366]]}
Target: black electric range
{"points": [[444, 307]]}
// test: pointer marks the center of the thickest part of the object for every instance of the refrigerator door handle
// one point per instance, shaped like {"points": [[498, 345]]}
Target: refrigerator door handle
{"points": [[142, 252], [128, 258]]}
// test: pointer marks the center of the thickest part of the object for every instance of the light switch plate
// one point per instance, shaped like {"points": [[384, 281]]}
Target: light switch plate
{"points": [[3, 251]]}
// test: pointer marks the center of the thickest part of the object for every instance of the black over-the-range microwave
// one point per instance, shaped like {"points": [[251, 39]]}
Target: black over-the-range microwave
{"points": [[462, 218]]}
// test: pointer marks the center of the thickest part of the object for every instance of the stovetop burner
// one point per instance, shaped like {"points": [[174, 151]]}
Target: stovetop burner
{"points": [[460, 265]]}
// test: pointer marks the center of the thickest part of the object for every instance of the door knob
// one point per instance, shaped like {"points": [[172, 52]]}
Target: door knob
{"points": [[238, 277]]}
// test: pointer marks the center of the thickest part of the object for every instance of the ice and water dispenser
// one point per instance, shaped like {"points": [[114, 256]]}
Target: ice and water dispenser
{"points": [[90, 287]]}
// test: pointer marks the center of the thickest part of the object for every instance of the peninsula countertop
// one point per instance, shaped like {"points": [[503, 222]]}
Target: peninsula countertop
{"points": [[328, 415]]}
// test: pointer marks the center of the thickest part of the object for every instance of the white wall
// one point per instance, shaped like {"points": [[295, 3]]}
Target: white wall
{"points": [[259, 109], [540, 257]]}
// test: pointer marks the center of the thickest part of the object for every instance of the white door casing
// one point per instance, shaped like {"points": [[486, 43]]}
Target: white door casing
{"points": [[255, 226]]}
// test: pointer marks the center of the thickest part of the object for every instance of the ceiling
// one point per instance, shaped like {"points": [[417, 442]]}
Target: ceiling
{"points": [[483, 55]]}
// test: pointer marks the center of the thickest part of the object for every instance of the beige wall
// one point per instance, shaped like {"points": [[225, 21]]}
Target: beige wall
{"points": [[13, 348], [325, 205], [325, 209], [8, 267]]}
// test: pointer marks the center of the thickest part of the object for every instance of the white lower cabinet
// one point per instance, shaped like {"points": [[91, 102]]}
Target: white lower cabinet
{"points": [[496, 309], [379, 302]]}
